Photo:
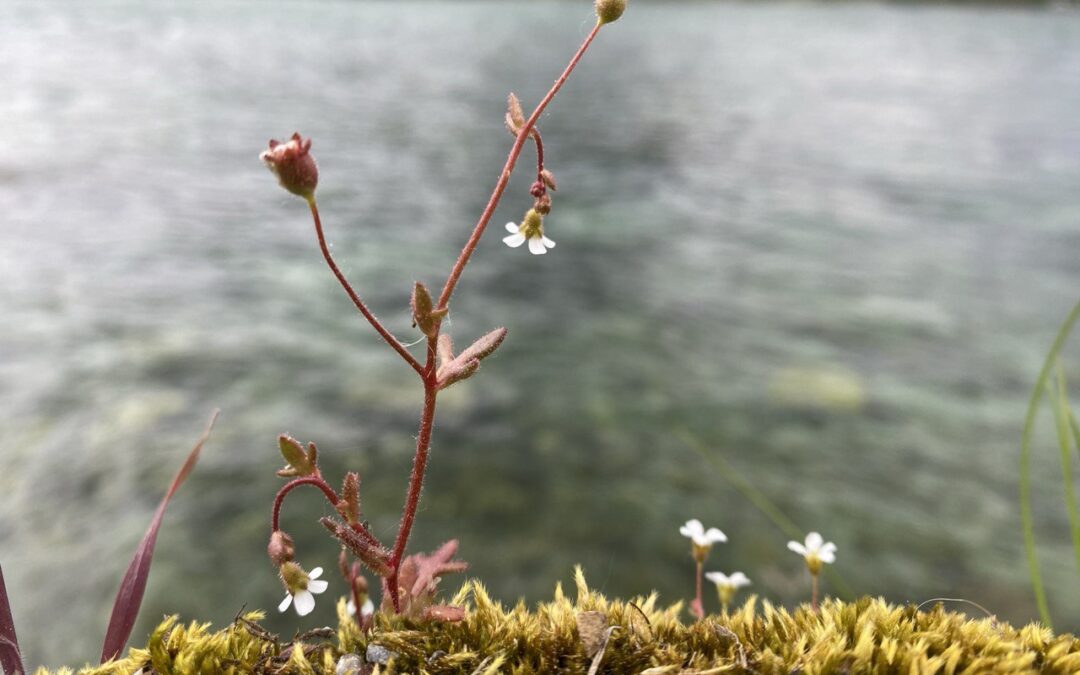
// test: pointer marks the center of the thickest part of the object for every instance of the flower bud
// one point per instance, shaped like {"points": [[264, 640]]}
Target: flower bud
{"points": [[293, 165], [543, 204], [360, 585], [549, 180], [515, 117], [609, 10], [281, 548]]}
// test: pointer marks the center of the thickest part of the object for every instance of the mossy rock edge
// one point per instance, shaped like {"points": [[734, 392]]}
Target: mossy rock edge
{"points": [[865, 636]]}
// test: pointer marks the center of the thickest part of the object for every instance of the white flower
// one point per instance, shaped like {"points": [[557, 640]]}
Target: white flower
{"points": [[699, 535], [815, 551], [303, 598], [366, 610], [736, 580], [531, 230]]}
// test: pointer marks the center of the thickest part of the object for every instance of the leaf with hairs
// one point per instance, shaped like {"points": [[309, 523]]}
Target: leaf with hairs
{"points": [[10, 656], [133, 585]]}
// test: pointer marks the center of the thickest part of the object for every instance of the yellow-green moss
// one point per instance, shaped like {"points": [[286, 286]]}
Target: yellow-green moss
{"points": [[866, 636]]}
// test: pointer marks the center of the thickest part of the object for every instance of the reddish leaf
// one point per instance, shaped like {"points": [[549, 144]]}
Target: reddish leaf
{"points": [[10, 656], [133, 585]]}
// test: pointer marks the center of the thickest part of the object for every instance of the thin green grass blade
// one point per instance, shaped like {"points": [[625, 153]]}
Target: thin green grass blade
{"points": [[1075, 430], [1026, 518], [1064, 434], [763, 504]]}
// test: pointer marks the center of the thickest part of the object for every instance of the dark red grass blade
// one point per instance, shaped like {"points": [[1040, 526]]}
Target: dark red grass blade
{"points": [[133, 585], [10, 656]]}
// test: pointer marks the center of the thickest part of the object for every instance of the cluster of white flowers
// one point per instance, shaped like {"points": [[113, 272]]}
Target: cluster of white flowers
{"points": [[815, 551]]}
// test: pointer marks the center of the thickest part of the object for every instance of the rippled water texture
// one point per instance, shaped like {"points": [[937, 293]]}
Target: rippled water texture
{"points": [[831, 242]]}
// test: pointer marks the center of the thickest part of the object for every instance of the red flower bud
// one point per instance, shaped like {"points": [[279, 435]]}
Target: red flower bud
{"points": [[293, 165], [281, 549]]}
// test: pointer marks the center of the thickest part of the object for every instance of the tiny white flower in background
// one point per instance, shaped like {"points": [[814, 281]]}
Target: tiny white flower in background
{"points": [[366, 610], [530, 230], [702, 539], [302, 598], [726, 586], [736, 580], [700, 536], [816, 551]]}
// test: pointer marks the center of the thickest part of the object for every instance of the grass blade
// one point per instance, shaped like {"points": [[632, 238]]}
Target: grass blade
{"points": [[763, 504], [133, 585], [10, 656], [1026, 518], [1064, 434]]}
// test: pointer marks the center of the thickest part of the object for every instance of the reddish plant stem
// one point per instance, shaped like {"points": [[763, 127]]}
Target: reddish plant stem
{"points": [[428, 371], [814, 592], [504, 177], [416, 482], [379, 328], [331, 497], [317, 481], [697, 591]]}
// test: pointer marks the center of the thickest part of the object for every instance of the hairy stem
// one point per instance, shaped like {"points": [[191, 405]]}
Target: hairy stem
{"points": [[504, 177], [814, 592], [379, 328], [416, 482], [317, 481], [427, 372]]}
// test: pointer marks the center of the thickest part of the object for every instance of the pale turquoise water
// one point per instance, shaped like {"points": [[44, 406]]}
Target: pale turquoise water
{"points": [[752, 198]]}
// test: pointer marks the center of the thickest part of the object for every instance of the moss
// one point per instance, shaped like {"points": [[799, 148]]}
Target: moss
{"points": [[865, 636]]}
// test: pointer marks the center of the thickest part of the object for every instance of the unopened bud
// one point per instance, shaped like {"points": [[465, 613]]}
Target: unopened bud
{"points": [[360, 584], [609, 10], [549, 180], [293, 165], [281, 548], [425, 316], [543, 204], [515, 117]]}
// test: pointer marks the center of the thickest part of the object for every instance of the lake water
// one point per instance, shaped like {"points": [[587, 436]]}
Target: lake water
{"points": [[831, 243]]}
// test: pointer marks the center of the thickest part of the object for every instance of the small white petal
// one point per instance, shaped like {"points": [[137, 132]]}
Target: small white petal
{"points": [[718, 578], [305, 602], [514, 240], [512, 228], [692, 528], [714, 536], [739, 579], [827, 554], [315, 573], [814, 540], [536, 246], [797, 547], [547, 242], [368, 609], [285, 603], [319, 586], [350, 608]]}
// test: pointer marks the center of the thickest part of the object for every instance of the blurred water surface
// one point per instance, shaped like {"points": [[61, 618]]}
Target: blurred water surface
{"points": [[831, 242]]}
